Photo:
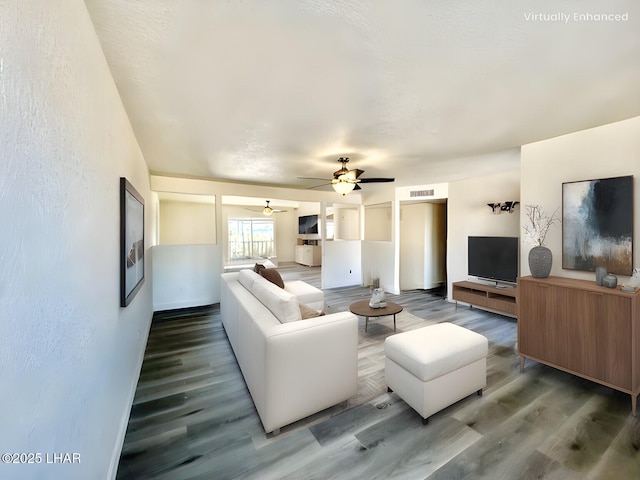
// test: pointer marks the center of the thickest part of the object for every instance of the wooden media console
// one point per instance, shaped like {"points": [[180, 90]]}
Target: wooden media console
{"points": [[501, 300]]}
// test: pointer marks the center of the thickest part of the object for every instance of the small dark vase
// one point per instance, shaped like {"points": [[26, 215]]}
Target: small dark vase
{"points": [[540, 260]]}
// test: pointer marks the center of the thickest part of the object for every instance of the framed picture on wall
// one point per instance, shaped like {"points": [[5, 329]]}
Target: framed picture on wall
{"points": [[131, 242], [597, 225]]}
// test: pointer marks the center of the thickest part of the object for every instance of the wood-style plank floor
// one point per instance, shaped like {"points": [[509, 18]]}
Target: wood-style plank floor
{"points": [[193, 418]]}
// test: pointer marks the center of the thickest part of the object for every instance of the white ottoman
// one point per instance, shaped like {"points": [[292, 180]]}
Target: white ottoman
{"points": [[433, 367]]}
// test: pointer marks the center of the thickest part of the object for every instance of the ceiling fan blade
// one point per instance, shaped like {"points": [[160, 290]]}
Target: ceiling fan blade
{"points": [[273, 210], [377, 180], [314, 178], [319, 186], [357, 187], [357, 172]]}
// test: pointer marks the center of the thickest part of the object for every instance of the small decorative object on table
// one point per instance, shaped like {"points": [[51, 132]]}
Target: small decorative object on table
{"points": [[540, 257], [634, 283], [377, 299], [610, 281]]}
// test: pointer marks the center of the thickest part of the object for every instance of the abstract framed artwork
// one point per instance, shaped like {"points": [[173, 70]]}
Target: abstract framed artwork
{"points": [[597, 225], [131, 242]]}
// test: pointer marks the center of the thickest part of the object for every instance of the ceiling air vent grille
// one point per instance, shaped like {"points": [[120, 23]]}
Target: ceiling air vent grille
{"points": [[421, 193]]}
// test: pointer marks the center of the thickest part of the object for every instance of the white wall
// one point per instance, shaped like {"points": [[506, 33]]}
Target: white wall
{"points": [[378, 247], [70, 355], [379, 263], [341, 263], [377, 222], [609, 151], [187, 223], [186, 276], [468, 214], [346, 222]]}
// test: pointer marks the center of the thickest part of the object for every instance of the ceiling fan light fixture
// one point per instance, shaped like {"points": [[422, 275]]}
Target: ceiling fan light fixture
{"points": [[342, 185], [267, 209]]}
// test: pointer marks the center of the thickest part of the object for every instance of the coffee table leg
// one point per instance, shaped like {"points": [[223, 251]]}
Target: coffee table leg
{"points": [[394, 322], [366, 321]]}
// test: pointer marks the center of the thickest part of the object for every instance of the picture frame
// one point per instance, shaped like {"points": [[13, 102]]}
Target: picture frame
{"points": [[597, 225], [131, 242]]}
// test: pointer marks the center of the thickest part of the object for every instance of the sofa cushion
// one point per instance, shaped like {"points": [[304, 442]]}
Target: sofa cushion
{"points": [[307, 312], [282, 304], [246, 278], [273, 276], [258, 267]]}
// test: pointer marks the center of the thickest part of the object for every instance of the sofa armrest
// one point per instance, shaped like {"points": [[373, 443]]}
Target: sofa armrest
{"points": [[306, 293], [310, 365]]}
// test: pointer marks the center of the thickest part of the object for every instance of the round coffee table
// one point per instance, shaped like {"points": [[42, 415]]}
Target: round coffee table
{"points": [[363, 309]]}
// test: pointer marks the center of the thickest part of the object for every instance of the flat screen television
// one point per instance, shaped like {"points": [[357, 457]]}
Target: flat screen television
{"points": [[493, 258], [307, 224]]}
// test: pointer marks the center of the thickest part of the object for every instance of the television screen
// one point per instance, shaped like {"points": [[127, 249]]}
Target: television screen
{"points": [[493, 258], [308, 224]]}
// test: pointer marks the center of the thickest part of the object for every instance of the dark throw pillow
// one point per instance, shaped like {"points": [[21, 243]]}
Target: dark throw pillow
{"points": [[258, 267], [273, 276]]}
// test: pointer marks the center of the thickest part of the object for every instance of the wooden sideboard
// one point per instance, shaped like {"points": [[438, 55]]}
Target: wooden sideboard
{"points": [[581, 328], [501, 300]]}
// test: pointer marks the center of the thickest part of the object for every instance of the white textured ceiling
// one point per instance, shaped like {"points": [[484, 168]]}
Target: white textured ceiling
{"points": [[422, 90]]}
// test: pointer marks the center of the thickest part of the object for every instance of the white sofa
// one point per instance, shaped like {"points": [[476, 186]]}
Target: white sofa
{"points": [[292, 367]]}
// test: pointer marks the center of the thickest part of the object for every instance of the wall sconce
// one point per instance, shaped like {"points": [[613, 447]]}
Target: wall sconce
{"points": [[508, 206], [498, 208], [495, 208]]}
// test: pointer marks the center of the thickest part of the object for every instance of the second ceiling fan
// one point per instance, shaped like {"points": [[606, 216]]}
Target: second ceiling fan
{"points": [[267, 210], [345, 180]]}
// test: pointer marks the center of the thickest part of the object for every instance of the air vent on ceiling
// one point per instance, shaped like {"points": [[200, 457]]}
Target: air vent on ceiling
{"points": [[421, 193]]}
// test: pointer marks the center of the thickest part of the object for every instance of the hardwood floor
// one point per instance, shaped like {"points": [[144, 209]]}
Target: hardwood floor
{"points": [[193, 418]]}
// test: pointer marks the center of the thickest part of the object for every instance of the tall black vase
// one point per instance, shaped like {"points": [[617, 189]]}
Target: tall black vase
{"points": [[540, 261]]}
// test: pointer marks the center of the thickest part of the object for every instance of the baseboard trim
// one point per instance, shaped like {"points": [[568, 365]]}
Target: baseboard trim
{"points": [[124, 421]]}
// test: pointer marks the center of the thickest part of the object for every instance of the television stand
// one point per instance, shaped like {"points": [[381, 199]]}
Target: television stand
{"points": [[502, 300]]}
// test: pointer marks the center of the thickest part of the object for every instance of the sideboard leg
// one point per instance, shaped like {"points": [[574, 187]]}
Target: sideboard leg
{"points": [[634, 401], [521, 364]]}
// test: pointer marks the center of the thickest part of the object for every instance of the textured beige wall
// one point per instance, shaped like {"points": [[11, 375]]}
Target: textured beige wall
{"points": [[612, 150], [70, 355], [187, 223], [468, 214]]}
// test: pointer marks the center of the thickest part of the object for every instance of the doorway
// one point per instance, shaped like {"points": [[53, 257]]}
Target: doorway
{"points": [[423, 246]]}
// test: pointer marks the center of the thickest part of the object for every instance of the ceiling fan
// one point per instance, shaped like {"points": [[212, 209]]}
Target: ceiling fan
{"points": [[267, 210], [345, 180]]}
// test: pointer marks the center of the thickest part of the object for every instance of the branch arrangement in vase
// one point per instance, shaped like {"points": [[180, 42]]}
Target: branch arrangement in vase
{"points": [[540, 223]]}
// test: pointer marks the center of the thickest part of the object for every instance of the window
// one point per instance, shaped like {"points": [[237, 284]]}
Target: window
{"points": [[251, 238]]}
